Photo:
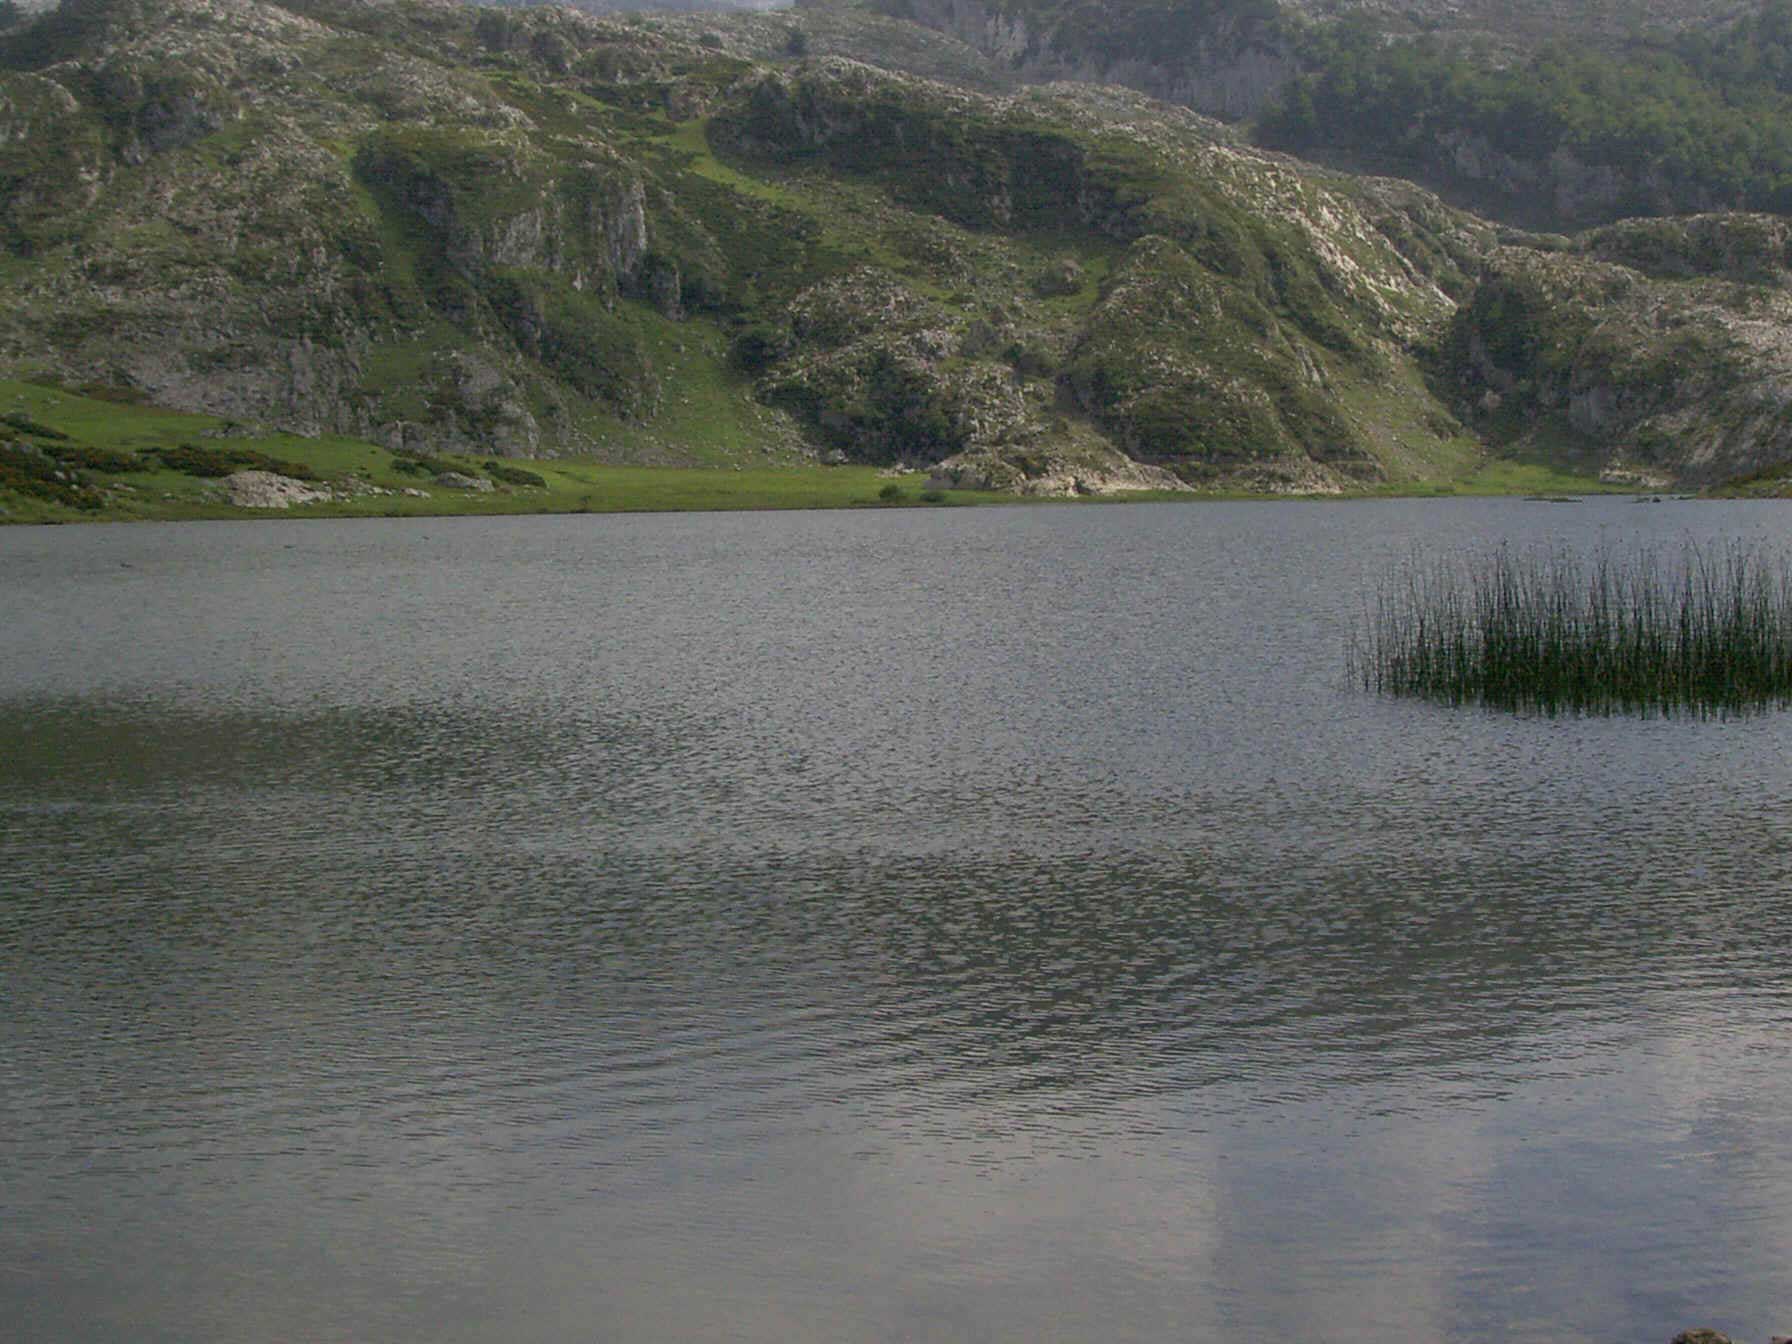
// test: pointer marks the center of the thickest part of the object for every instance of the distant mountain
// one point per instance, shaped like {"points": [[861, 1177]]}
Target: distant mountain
{"points": [[605, 7], [693, 238], [1541, 114]]}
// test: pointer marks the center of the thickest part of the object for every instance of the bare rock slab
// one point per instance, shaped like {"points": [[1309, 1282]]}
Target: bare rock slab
{"points": [[269, 490]]}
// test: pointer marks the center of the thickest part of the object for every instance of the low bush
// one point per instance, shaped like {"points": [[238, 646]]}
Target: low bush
{"points": [[422, 464], [94, 459], [514, 475], [36, 428], [191, 459], [26, 471]]}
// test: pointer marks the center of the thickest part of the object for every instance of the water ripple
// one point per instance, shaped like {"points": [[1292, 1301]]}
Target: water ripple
{"points": [[717, 937]]}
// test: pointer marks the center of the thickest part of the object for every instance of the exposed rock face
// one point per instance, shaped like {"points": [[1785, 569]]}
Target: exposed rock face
{"points": [[269, 490], [1063, 473], [1241, 297]]}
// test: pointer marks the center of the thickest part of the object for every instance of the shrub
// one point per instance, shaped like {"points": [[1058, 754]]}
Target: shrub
{"points": [[190, 459], [759, 346], [94, 459], [26, 425], [891, 493], [422, 464], [514, 475], [27, 471], [1709, 630]]}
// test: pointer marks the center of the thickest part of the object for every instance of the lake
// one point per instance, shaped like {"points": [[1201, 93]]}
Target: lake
{"points": [[909, 925]]}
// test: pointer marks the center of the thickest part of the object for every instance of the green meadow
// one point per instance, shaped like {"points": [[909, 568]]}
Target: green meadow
{"points": [[91, 454], [138, 443]]}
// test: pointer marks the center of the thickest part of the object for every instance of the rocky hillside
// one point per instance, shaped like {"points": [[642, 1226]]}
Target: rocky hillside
{"points": [[1660, 348], [705, 239]]}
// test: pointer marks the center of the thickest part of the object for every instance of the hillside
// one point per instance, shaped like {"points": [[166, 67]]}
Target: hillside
{"points": [[1541, 115], [1577, 133], [702, 240], [1230, 57]]}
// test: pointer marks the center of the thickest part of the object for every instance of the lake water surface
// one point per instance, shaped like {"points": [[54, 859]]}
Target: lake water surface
{"points": [[946, 925]]}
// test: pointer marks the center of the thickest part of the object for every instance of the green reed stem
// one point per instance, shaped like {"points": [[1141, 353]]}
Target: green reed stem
{"points": [[1708, 629]]}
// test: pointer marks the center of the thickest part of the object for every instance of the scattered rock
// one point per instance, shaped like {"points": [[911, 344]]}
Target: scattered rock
{"points": [[1615, 474], [269, 490]]}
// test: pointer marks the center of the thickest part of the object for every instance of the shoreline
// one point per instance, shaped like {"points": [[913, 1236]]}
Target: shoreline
{"points": [[89, 456], [696, 490]]}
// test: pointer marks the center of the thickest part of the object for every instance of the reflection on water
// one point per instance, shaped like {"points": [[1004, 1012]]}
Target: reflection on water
{"points": [[896, 926]]}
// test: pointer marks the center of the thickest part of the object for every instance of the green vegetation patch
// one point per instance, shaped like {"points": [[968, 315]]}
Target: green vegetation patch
{"points": [[1192, 371], [102, 417], [102, 460], [192, 459], [1707, 630], [1701, 121], [423, 464], [36, 475], [509, 475], [26, 425]]}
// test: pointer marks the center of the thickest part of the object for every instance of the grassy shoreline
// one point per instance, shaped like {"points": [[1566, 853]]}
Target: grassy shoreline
{"points": [[87, 456]]}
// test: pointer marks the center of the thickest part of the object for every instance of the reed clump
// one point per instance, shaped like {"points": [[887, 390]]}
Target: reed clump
{"points": [[1696, 630]]}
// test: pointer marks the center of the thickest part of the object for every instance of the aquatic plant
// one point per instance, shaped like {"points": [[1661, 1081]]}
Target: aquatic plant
{"points": [[1704, 629]]}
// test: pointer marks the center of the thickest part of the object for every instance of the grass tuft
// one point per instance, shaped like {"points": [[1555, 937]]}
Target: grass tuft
{"points": [[1706, 630]]}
